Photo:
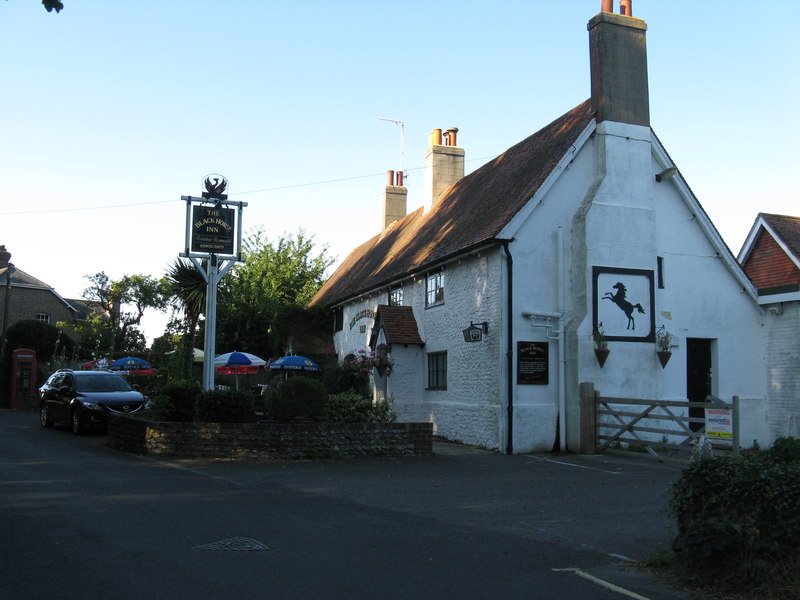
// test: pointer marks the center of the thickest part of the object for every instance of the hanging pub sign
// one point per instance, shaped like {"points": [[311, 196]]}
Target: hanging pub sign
{"points": [[213, 229], [533, 367]]}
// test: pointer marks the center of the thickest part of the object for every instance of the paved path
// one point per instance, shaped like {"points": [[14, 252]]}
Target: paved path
{"points": [[81, 521]]}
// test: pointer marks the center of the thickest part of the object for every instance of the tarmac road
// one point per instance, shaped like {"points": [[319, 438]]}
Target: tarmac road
{"points": [[81, 521]]}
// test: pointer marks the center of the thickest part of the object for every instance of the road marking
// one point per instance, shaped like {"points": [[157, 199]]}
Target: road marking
{"points": [[561, 462], [603, 583]]}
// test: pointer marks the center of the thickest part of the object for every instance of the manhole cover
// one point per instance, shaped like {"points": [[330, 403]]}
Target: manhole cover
{"points": [[237, 544]]}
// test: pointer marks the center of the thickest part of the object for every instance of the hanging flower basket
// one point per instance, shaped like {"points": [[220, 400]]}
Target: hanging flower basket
{"points": [[601, 350], [602, 355], [663, 345], [363, 362]]}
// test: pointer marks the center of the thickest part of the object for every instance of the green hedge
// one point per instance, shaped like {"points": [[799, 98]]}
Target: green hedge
{"points": [[224, 406], [739, 517], [297, 398], [351, 407], [176, 402]]}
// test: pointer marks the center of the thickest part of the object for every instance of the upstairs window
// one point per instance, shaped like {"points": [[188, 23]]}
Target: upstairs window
{"points": [[338, 318], [396, 296], [434, 289], [43, 317]]}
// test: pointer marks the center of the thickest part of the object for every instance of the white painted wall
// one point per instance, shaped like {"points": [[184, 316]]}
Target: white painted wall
{"points": [[782, 372], [612, 213], [468, 410]]}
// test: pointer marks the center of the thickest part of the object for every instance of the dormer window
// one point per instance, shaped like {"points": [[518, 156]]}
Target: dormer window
{"points": [[434, 288], [396, 296]]}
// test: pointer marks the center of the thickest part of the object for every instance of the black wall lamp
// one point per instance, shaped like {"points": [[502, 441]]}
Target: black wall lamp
{"points": [[474, 333]]}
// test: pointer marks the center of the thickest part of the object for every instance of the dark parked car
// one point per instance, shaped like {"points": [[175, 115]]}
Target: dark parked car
{"points": [[83, 399]]}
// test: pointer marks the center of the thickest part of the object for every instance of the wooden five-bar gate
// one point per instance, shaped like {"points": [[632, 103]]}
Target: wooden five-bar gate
{"points": [[663, 430]]}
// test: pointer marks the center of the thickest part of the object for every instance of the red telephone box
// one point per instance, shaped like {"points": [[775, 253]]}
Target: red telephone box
{"points": [[23, 378]]}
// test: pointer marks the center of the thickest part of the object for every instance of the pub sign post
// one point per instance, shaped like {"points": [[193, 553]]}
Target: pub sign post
{"points": [[213, 235]]}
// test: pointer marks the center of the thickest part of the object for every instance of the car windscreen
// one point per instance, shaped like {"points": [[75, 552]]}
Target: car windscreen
{"points": [[102, 383]]}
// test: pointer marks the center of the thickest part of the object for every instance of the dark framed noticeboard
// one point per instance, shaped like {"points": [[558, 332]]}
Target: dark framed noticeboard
{"points": [[533, 363]]}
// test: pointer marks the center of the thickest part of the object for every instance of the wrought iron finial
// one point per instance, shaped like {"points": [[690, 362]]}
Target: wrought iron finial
{"points": [[215, 185]]}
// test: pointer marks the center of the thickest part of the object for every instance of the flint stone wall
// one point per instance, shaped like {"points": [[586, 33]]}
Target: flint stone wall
{"points": [[268, 440]]}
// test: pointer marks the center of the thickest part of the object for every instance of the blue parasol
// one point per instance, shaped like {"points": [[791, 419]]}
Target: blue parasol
{"points": [[130, 363], [238, 359], [294, 363]]}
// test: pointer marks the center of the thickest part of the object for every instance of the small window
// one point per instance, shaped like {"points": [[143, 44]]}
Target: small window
{"points": [[660, 264], [434, 289], [396, 296], [338, 318], [43, 317], [437, 371]]}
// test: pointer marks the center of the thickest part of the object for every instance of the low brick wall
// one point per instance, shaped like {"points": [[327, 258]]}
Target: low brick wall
{"points": [[268, 440]]}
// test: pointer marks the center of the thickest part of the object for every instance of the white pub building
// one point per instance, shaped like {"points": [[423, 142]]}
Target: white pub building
{"points": [[488, 296]]}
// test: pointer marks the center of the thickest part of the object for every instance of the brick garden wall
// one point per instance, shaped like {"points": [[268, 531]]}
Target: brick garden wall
{"points": [[268, 440]]}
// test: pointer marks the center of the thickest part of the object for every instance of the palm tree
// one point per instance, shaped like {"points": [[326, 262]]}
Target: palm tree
{"points": [[188, 291]]}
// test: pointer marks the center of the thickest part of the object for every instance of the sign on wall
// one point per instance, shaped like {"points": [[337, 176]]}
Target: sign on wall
{"points": [[533, 366], [624, 304]]}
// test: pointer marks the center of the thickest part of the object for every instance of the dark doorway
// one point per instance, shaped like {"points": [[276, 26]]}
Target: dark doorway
{"points": [[698, 376]]}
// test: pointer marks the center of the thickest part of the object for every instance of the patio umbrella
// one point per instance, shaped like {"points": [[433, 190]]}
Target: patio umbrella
{"points": [[100, 363], [130, 363], [238, 363], [294, 363]]}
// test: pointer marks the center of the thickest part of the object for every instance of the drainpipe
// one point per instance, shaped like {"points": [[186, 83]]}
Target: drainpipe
{"points": [[562, 360], [510, 350]]}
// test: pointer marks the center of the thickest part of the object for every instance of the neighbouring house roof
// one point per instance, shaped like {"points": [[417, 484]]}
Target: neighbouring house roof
{"points": [[771, 253], [398, 324], [20, 278], [470, 213], [84, 308]]}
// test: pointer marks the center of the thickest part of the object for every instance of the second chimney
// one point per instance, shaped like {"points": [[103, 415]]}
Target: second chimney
{"points": [[395, 199], [444, 165]]}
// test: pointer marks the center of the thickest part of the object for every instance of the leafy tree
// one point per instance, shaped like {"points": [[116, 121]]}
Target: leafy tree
{"points": [[271, 278], [187, 290], [122, 303], [50, 5]]}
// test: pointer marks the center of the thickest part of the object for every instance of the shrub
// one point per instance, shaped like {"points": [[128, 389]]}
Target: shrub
{"points": [[298, 397], [176, 402], [786, 450], [224, 406], [350, 407], [738, 523], [339, 379]]}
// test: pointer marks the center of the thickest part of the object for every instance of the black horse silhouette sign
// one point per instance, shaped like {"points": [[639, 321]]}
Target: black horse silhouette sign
{"points": [[624, 302], [619, 299]]}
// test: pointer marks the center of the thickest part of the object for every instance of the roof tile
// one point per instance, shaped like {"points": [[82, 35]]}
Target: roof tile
{"points": [[472, 211]]}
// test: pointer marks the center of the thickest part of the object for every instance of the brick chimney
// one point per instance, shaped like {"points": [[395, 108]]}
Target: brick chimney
{"points": [[5, 256], [444, 165], [618, 55], [395, 199]]}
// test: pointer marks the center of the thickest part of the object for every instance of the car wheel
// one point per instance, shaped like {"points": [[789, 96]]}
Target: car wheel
{"points": [[77, 423], [44, 418]]}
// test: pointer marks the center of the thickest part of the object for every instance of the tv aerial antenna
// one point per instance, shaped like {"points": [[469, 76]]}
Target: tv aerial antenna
{"points": [[402, 125]]}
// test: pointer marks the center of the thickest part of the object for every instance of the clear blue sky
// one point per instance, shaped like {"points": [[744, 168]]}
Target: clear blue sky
{"points": [[113, 110]]}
